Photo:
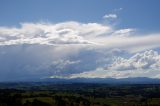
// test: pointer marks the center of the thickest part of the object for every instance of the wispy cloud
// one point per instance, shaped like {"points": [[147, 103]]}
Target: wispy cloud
{"points": [[118, 9], [101, 73], [110, 16]]}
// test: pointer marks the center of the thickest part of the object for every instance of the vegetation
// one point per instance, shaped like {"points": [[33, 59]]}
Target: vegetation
{"points": [[77, 94]]}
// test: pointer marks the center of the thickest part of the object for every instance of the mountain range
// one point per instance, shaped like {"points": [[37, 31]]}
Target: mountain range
{"points": [[135, 80]]}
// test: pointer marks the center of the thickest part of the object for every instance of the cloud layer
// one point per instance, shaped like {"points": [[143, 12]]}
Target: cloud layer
{"points": [[75, 49], [51, 34], [91, 34]]}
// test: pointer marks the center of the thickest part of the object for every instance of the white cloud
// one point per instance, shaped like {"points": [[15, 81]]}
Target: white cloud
{"points": [[146, 64], [147, 60], [74, 33], [130, 43], [51, 34], [124, 32], [110, 16]]}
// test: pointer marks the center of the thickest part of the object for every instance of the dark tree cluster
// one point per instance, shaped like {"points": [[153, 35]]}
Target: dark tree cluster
{"points": [[81, 95]]}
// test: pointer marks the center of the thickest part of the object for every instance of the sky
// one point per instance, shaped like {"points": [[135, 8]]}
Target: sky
{"points": [[79, 39]]}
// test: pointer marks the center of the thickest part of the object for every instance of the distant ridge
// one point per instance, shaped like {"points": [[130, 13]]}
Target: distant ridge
{"points": [[135, 80]]}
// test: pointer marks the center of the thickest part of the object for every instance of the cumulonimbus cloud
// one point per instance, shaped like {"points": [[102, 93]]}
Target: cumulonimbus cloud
{"points": [[34, 49]]}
